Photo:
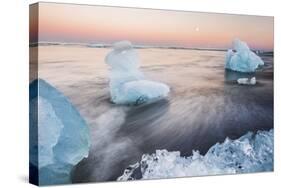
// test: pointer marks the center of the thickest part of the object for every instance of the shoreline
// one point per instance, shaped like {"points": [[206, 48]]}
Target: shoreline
{"points": [[109, 46], [203, 107]]}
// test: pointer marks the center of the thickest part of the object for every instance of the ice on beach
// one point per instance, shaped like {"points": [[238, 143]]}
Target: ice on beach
{"points": [[241, 58], [247, 81], [250, 153], [63, 136], [127, 83]]}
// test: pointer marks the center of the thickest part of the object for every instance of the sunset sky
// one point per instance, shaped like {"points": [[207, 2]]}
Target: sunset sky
{"points": [[98, 24]]}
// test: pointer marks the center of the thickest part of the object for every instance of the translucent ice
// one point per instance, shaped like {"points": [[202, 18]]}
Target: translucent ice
{"points": [[241, 58], [127, 83], [63, 136], [247, 81], [249, 153]]}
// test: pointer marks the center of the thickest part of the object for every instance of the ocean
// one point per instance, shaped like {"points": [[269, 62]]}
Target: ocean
{"points": [[204, 107]]}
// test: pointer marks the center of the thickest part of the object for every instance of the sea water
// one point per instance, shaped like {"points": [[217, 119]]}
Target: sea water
{"points": [[204, 107]]}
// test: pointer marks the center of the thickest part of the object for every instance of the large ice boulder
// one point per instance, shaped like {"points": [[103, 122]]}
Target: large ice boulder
{"points": [[59, 136], [127, 83], [241, 58], [250, 153]]}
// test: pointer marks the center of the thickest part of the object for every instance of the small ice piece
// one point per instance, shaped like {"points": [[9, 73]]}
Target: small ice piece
{"points": [[59, 136], [241, 58], [247, 81], [247, 154], [253, 81], [127, 83]]}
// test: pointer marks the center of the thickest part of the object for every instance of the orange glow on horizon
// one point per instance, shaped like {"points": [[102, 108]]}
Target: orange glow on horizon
{"points": [[83, 23]]}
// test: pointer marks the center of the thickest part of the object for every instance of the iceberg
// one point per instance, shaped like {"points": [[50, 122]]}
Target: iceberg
{"points": [[247, 81], [241, 58], [127, 83], [249, 153], [60, 137]]}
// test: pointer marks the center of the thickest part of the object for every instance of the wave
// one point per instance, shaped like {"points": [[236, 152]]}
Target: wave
{"points": [[250, 153]]}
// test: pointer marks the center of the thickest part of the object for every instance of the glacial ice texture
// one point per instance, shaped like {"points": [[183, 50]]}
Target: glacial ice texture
{"points": [[63, 136], [250, 153], [127, 83], [241, 58], [247, 81]]}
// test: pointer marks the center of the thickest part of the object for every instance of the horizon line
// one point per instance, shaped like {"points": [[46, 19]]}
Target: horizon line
{"points": [[139, 46]]}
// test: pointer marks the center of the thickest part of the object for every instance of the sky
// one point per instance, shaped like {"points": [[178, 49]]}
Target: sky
{"points": [[99, 24]]}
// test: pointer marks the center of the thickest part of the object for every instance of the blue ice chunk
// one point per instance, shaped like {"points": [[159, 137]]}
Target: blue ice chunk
{"points": [[250, 153], [63, 135], [127, 83], [241, 58]]}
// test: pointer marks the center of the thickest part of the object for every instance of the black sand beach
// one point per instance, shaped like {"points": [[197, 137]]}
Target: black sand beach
{"points": [[205, 105]]}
